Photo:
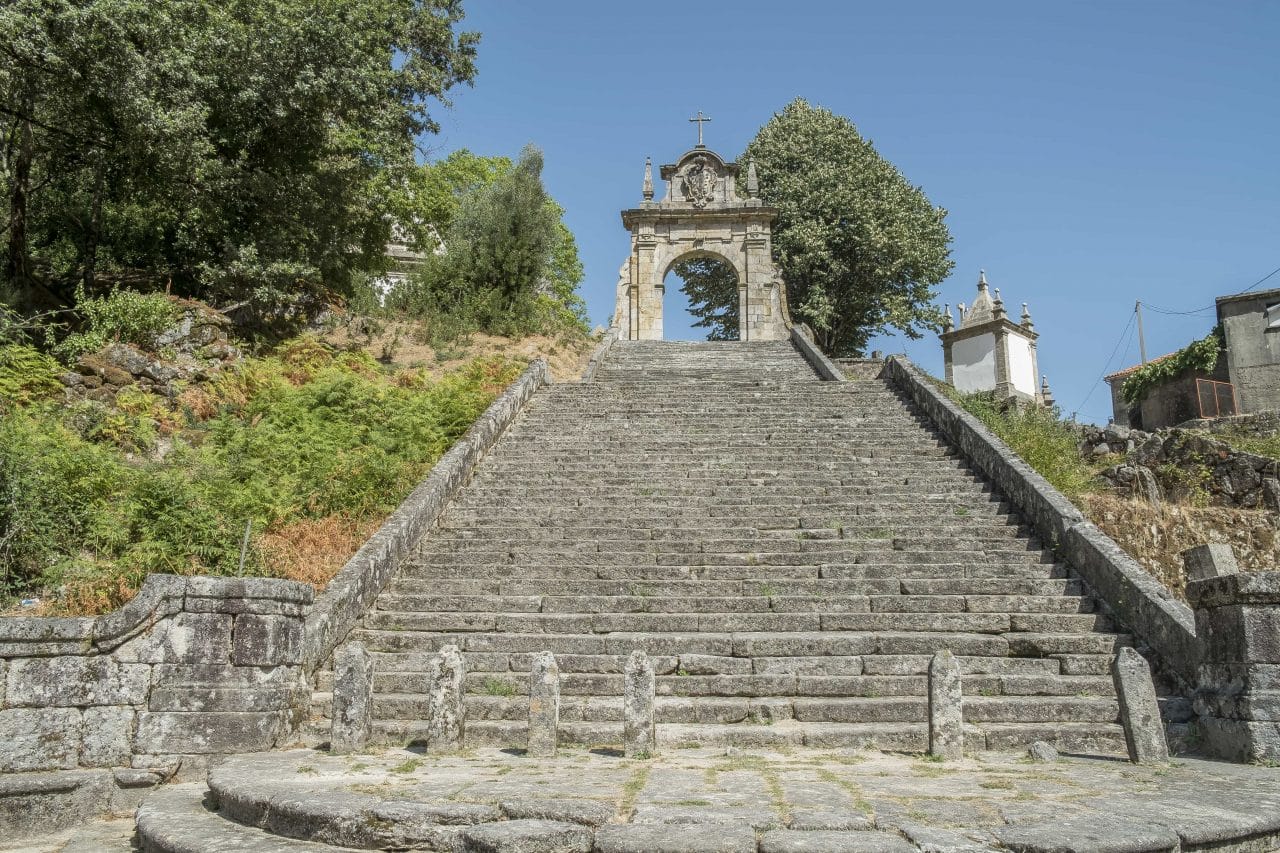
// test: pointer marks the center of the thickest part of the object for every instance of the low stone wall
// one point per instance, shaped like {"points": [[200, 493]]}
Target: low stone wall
{"points": [[1184, 465], [1138, 600], [1226, 653], [802, 339], [601, 352], [190, 669]]}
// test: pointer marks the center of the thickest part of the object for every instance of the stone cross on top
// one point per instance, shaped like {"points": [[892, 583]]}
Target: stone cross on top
{"points": [[700, 119]]}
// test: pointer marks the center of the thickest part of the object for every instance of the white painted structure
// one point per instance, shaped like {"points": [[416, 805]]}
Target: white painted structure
{"points": [[989, 352]]}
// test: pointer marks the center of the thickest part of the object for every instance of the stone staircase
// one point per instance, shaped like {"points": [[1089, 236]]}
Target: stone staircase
{"points": [[790, 551]]}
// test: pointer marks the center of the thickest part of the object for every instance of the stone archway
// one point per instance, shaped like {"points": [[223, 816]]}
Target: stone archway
{"points": [[701, 213]]}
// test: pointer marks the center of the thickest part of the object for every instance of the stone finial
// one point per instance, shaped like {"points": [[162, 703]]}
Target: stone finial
{"points": [[1211, 560], [1046, 395], [753, 182], [648, 179], [1026, 319], [982, 279], [352, 699], [544, 706], [997, 306], [947, 321], [1139, 710], [446, 713], [946, 715], [639, 736]]}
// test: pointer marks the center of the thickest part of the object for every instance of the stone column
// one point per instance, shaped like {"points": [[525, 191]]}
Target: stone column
{"points": [[1139, 710], [946, 714], [1238, 620], [352, 699], [446, 713], [638, 685], [544, 706]]}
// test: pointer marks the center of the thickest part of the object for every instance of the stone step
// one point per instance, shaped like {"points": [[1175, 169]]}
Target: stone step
{"points": [[754, 644], [1067, 590]]}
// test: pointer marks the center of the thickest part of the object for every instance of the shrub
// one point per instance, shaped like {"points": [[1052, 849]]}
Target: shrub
{"points": [[1040, 437], [1201, 355], [26, 374], [122, 315]]}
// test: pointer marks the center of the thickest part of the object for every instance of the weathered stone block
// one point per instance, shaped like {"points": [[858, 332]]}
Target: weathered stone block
{"points": [[209, 732], [1211, 560], [544, 706], [1139, 710], [446, 712], [266, 640], [352, 699], [639, 735], [946, 716], [39, 739], [76, 680], [196, 638], [221, 676], [40, 803], [528, 836], [107, 739]]}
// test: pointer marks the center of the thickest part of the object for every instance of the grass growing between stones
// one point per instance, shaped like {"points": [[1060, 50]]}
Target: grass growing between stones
{"points": [[631, 791]]}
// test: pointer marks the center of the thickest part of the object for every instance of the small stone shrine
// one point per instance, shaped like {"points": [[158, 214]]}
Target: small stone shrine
{"points": [[990, 352]]}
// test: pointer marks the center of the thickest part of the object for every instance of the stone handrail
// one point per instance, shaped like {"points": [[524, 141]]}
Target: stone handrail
{"points": [[1138, 600], [601, 352], [802, 339], [353, 590]]}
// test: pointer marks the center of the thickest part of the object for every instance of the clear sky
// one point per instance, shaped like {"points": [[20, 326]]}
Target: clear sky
{"points": [[1090, 154]]}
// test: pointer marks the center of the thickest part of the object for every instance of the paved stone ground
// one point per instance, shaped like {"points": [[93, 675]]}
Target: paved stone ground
{"points": [[101, 836], [981, 802]]}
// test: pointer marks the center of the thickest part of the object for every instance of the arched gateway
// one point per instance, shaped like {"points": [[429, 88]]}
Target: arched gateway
{"points": [[701, 215]]}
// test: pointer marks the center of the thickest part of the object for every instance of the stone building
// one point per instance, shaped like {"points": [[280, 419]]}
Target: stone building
{"points": [[1251, 326], [990, 352]]}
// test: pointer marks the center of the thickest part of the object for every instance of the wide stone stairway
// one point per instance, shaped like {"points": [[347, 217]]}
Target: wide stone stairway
{"points": [[790, 551]]}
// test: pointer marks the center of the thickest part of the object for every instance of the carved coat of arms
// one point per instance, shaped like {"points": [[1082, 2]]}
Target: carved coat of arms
{"points": [[699, 182]]}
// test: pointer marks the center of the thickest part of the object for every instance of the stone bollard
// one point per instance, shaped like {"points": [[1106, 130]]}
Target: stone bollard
{"points": [[446, 714], [544, 706], [638, 685], [352, 699], [1238, 620], [946, 712], [1139, 710]]}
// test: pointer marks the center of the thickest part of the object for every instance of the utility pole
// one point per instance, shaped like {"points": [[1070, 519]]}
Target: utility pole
{"points": [[1142, 341]]}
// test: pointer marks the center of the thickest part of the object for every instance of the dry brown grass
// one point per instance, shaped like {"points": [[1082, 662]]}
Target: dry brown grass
{"points": [[1157, 536], [312, 550]]}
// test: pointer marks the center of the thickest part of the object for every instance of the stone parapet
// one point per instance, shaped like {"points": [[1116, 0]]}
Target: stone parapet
{"points": [[1238, 701], [190, 669]]}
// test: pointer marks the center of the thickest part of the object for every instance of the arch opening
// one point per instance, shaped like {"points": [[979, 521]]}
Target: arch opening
{"points": [[705, 303]]}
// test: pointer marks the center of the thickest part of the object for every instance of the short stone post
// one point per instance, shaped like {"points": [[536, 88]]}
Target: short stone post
{"points": [[1213, 560], [352, 699], [638, 688], [544, 706], [946, 711], [1238, 620], [1139, 710], [446, 713]]}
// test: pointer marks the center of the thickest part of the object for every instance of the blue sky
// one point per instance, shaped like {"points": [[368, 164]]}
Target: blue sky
{"points": [[1090, 154]]}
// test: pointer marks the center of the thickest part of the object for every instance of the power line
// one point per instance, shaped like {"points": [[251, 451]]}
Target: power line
{"points": [[1213, 307], [1128, 328]]}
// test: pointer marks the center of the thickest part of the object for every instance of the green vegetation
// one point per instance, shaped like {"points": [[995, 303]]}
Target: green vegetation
{"points": [[497, 687], [1201, 355], [122, 316], [509, 266], [860, 247], [1040, 437], [309, 445], [235, 150]]}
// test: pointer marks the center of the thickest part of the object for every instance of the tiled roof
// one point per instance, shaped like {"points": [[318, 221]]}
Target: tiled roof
{"points": [[1121, 374]]}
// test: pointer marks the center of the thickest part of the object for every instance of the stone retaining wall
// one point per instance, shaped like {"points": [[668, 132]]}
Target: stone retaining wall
{"points": [[1226, 654], [189, 669]]}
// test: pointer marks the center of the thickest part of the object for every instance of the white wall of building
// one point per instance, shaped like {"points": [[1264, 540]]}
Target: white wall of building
{"points": [[973, 364], [1022, 368]]}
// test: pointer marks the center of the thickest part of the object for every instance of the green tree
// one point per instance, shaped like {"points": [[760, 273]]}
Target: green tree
{"points": [[235, 149], [860, 247], [712, 288]]}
